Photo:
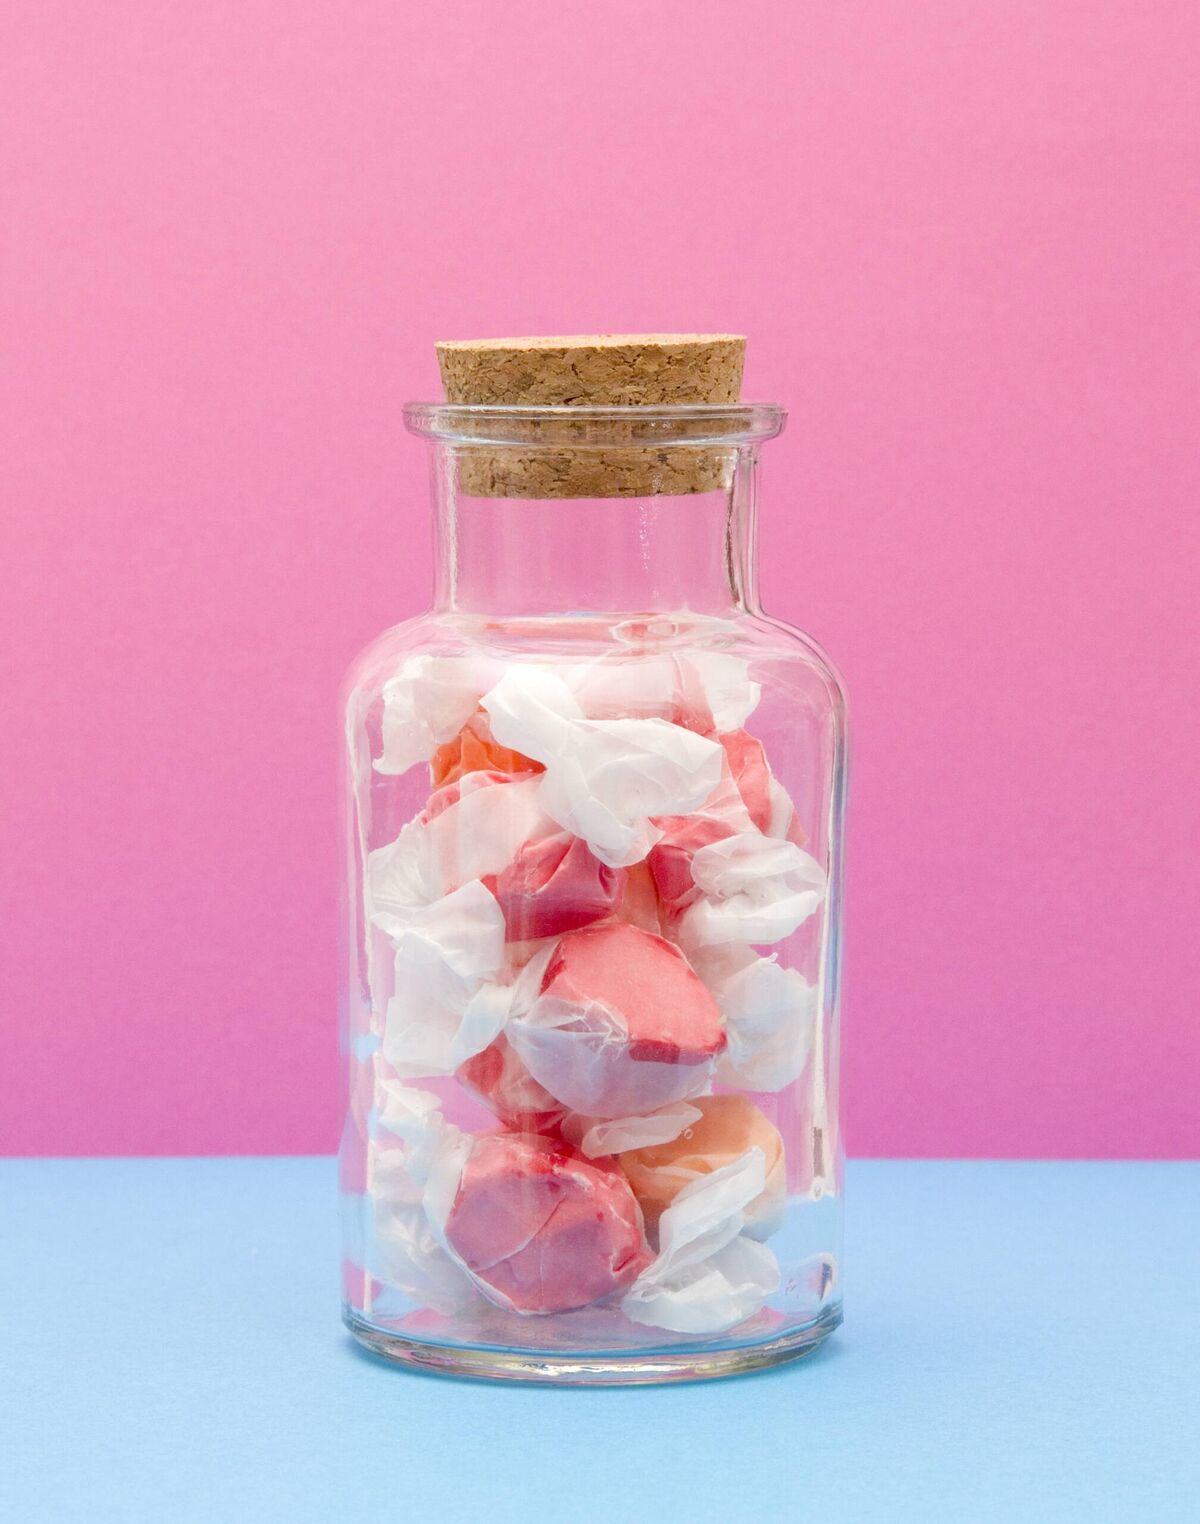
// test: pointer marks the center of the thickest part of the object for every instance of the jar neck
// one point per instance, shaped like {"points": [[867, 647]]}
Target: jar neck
{"points": [[514, 556]]}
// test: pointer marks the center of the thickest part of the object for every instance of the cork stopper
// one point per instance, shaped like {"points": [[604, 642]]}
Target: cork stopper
{"points": [[594, 370]]}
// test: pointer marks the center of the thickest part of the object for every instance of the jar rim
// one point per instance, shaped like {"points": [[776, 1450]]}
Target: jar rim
{"points": [[683, 425]]}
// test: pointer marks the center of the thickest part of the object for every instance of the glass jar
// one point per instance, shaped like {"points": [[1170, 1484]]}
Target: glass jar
{"points": [[594, 817]]}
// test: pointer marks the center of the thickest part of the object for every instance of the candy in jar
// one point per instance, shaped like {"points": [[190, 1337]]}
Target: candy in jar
{"points": [[594, 810]]}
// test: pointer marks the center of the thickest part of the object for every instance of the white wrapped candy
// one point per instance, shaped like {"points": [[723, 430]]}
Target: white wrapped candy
{"points": [[604, 779], [446, 1006], [707, 1275], [471, 829], [426, 704], [409, 1252], [754, 888], [770, 1015], [705, 691], [622, 1025]]}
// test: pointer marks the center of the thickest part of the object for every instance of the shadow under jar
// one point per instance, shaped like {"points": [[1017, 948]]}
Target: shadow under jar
{"points": [[594, 804]]}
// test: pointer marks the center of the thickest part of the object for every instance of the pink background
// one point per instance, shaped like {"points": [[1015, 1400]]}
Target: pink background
{"points": [[963, 241]]}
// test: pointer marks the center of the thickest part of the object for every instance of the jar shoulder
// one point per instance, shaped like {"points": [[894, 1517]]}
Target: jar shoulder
{"points": [[794, 654], [787, 659]]}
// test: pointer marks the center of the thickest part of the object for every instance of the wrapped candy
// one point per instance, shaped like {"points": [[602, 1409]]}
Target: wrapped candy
{"points": [[541, 1229], [409, 1250], [604, 779], [748, 764], [708, 1274], [622, 1024], [706, 691], [427, 703], [502, 1082], [453, 990], [770, 1015], [725, 1128], [475, 749], [469, 830], [753, 888], [554, 884]]}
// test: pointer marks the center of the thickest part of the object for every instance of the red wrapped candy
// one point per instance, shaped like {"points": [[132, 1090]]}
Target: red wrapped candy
{"points": [[622, 1024], [554, 885], [503, 1083], [540, 1228], [670, 860]]}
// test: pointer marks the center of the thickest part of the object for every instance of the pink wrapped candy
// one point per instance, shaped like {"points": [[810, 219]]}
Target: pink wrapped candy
{"points": [[622, 1025], [540, 1228], [670, 861], [748, 764], [503, 1083], [554, 885]]}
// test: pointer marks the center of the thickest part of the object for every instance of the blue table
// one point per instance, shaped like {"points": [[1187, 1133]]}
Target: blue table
{"points": [[1022, 1344]]}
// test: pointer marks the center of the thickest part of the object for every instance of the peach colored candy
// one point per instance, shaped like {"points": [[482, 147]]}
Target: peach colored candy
{"points": [[474, 749], [541, 1228], [729, 1125]]}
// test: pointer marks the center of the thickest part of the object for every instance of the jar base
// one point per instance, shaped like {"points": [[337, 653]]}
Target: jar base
{"points": [[638, 1368]]}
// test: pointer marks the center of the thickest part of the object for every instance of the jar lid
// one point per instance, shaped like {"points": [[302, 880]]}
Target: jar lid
{"points": [[596, 370], [593, 371]]}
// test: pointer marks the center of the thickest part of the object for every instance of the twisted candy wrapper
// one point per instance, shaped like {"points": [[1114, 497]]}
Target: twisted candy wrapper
{"points": [[425, 705], [604, 779], [410, 1253], [770, 1016], [622, 1024], [708, 1275], [753, 888], [723, 1129], [599, 1137], [470, 830], [450, 1002], [705, 691]]}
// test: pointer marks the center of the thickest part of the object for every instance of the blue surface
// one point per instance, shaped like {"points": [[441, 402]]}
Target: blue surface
{"points": [[1022, 1343]]}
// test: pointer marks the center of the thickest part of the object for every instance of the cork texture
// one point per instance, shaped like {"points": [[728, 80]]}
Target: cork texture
{"points": [[593, 370]]}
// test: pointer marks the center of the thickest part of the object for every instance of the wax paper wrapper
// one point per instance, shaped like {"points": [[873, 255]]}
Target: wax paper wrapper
{"points": [[539, 1228], [753, 888], [622, 1025], [469, 830], [705, 691], [770, 1015], [499, 1078], [722, 1129], [600, 1137], [604, 779], [410, 1253], [425, 705], [454, 992], [708, 1275]]}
